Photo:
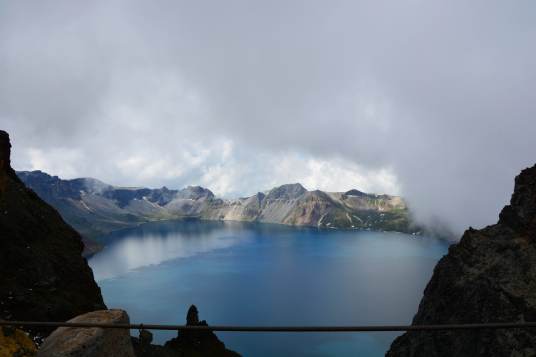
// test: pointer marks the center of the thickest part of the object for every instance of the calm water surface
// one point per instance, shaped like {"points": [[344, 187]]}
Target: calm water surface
{"points": [[260, 274]]}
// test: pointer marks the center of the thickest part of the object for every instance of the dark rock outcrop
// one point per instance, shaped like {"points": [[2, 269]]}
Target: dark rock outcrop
{"points": [[489, 276], [198, 343], [90, 342], [43, 276], [186, 344]]}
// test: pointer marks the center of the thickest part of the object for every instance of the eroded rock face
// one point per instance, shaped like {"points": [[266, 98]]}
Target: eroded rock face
{"points": [[43, 276], [489, 276], [90, 342]]}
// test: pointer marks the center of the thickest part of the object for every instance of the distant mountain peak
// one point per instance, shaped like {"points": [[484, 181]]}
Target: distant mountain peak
{"points": [[195, 192], [286, 191], [355, 192]]}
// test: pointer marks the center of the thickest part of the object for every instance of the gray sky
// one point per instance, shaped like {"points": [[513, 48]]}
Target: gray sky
{"points": [[432, 100]]}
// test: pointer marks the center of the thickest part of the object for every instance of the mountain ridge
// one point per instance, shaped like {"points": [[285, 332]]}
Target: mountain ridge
{"points": [[96, 208]]}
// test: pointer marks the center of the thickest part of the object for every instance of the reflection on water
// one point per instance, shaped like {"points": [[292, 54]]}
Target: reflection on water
{"points": [[255, 274], [155, 243]]}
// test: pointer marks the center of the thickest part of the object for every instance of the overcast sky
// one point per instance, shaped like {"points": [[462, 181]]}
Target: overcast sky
{"points": [[434, 100]]}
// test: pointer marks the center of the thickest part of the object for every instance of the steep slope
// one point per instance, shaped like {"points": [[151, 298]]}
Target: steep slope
{"points": [[489, 276], [43, 275]]}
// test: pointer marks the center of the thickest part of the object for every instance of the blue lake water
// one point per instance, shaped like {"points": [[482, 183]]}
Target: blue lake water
{"points": [[261, 274]]}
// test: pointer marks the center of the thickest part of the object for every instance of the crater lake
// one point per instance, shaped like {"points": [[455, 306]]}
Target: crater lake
{"points": [[263, 274]]}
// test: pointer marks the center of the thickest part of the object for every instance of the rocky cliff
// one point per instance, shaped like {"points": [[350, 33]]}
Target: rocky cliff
{"points": [[489, 276], [95, 208], [43, 275]]}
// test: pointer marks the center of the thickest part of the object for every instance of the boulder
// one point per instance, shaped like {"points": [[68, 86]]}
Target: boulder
{"points": [[90, 342]]}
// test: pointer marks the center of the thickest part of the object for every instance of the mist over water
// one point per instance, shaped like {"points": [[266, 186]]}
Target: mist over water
{"points": [[259, 274], [157, 243]]}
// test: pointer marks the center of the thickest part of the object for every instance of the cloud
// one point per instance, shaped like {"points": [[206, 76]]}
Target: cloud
{"points": [[61, 161], [433, 100]]}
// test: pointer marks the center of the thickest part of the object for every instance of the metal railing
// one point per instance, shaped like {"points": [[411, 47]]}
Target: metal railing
{"points": [[369, 328]]}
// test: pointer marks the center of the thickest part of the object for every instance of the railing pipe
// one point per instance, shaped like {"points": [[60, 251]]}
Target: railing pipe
{"points": [[369, 328]]}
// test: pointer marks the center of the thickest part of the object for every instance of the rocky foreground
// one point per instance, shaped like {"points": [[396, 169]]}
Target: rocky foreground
{"points": [[95, 208], [489, 276], [96, 342]]}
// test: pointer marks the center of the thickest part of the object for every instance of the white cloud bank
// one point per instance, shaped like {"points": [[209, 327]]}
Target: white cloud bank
{"points": [[432, 100]]}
